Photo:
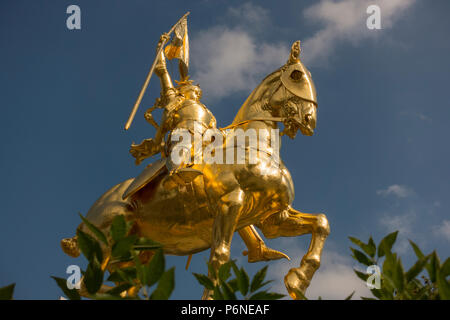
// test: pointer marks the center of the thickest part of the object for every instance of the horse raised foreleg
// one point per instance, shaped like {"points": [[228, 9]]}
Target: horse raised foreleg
{"points": [[224, 226], [291, 223]]}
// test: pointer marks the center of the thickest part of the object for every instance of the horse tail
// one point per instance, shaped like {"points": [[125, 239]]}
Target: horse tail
{"points": [[70, 246]]}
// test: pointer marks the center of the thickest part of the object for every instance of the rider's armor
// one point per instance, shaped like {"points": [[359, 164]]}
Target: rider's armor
{"points": [[190, 115], [182, 110]]}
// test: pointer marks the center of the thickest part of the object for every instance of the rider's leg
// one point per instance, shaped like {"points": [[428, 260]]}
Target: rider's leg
{"points": [[176, 165]]}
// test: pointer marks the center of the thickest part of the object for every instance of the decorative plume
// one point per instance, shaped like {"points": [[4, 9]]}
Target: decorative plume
{"points": [[295, 52]]}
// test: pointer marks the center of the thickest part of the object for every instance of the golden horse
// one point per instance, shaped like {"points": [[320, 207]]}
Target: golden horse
{"points": [[226, 198]]}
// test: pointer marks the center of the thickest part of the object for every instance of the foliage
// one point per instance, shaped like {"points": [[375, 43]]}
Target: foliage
{"points": [[6, 293], [147, 280], [142, 277], [396, 283], [239, 285], [150, 280]]}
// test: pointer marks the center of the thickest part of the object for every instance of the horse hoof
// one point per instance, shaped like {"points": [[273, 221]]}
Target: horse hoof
{"points": [[70, 247], [296, 283]]}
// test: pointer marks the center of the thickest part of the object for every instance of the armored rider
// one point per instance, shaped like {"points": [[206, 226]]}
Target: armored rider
{"points": [[183, 109]]}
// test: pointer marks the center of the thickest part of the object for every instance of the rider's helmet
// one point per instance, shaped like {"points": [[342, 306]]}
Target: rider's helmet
{"points": [[189, 90]]}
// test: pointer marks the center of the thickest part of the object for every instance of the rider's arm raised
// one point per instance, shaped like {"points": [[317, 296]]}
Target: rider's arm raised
{"points": [[167, 88]]}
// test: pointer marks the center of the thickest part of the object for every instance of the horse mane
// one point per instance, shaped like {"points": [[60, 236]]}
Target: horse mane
{"points": [[260, 96]]}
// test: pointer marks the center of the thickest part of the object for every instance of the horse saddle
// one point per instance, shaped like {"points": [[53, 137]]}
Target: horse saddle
{"points": [[180, 176], [146, 176]]}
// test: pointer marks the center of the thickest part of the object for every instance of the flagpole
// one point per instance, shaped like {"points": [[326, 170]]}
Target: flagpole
{"points": [[149, 75]]}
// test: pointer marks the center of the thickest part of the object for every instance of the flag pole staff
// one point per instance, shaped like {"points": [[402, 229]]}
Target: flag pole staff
{"points": [[147, 80]]}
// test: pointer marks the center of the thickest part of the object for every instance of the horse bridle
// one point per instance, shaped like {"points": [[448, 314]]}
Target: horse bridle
{"points": [[290, 119]]}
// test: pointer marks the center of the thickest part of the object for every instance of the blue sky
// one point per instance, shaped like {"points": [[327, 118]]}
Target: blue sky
{"points": [[379, 160]]}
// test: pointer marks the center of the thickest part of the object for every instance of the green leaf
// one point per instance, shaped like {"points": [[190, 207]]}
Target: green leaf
{"points": [[356, 241], [227, 291], [398, 277], [258, 279], [6, 293], [96, 231], [445, 268], [377, 293], [119, 289], [124, 274], [417, 250], [389, 264], [422, 294], [242, 279], [243, 282], [263, 295], [217, 294], [265, 283], [93, 277], [349, 297], [211, 270], [224, 271], [373, 247], [428, 266], [417, 268], [118, 228], [433, 266], [387, 287], [165, 286], [386, 244], [367, 248], [89, 246], [363, 276], [107, 296], [140, 269], [71, 294], [444, 287], [146, 244], [155, 268], [361, 257], [234, 284], [204, 281], [123, 246]]}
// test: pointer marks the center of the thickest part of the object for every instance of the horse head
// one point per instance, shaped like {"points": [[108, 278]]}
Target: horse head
{"points": [[287, 95]]}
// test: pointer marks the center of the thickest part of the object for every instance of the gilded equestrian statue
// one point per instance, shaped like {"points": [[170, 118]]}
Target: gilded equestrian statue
{"points": [[204, 208]]}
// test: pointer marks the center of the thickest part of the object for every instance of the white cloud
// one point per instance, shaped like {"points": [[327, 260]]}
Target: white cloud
{"points": [[229, 60], [335, 278], [233, 59], [249, 15], [412, 216], [396, 190], [418, 115], [345, 20], [404, 224], [423, 117], [443, 229]]}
